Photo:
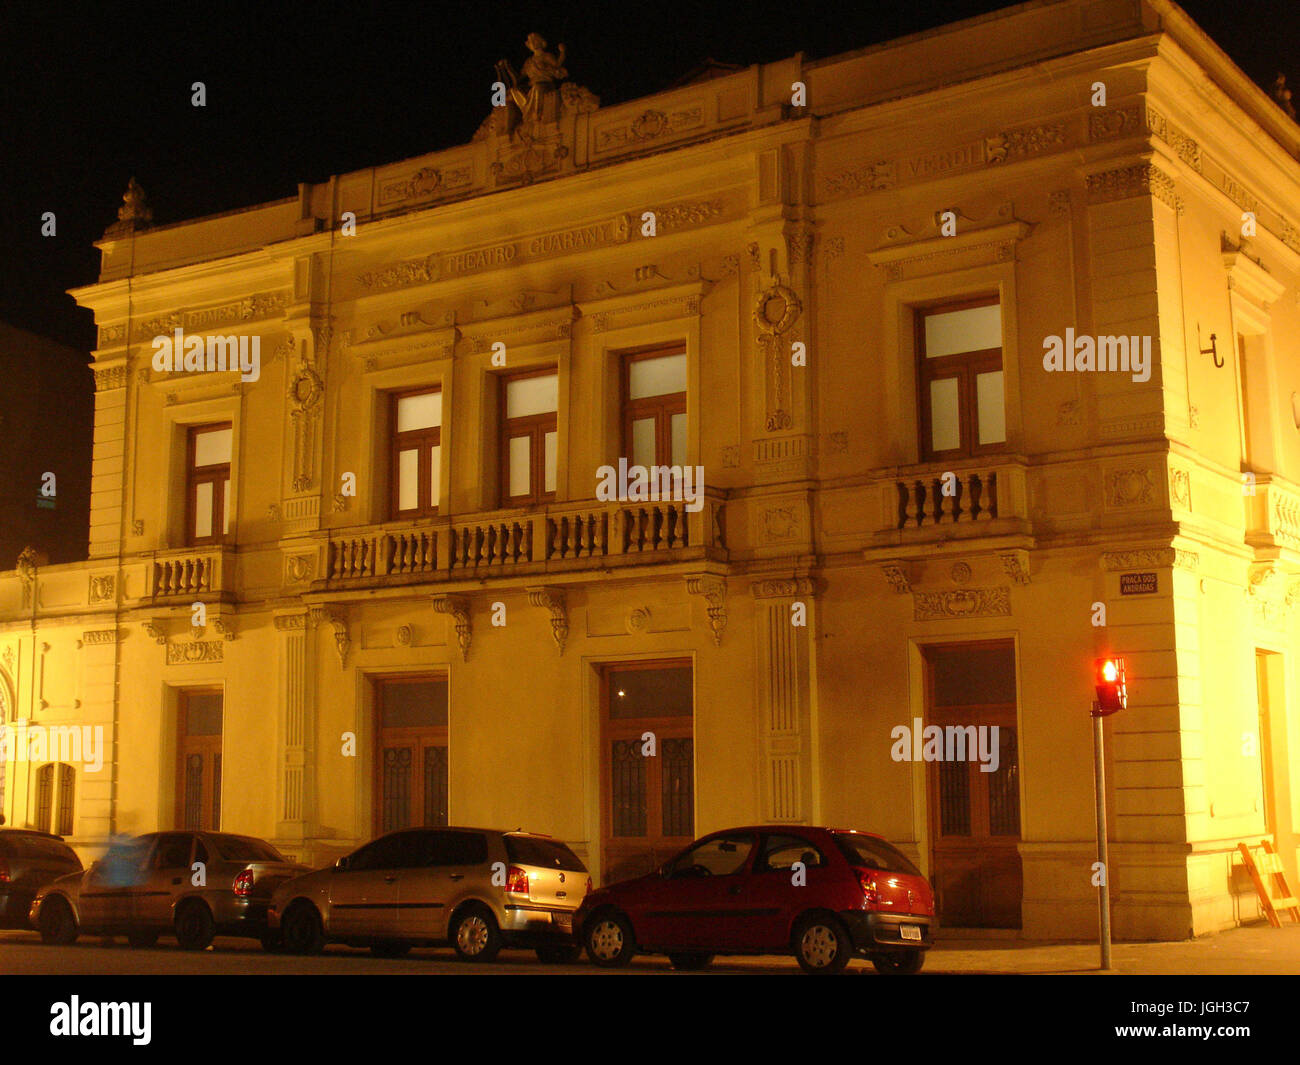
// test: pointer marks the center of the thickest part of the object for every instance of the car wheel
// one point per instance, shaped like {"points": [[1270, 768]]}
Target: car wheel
{"points": [[142, 940], [609, 940], [390, 949], [559, 954], [475, 935], [194, 927], [690, 962], [301, 929], [822, 945], [57, 924], [897, 962]]}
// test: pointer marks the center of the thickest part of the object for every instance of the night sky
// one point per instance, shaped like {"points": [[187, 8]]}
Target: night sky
{"points": [[90, 97]]}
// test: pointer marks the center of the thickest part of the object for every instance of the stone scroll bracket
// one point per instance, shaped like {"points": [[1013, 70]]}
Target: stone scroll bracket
{"points": [[552, 600], [337, 620], [714, 591], [456, 607]]}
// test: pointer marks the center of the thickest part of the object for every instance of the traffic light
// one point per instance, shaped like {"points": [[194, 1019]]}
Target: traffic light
{"points": [[1112, 694]]}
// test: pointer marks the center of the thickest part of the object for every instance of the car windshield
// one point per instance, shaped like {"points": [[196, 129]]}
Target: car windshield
{"points": [[246, 849], [546, 853], [873, 853]]}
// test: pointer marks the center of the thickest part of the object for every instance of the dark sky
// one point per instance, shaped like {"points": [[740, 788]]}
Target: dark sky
{"points": [[89, 97]]}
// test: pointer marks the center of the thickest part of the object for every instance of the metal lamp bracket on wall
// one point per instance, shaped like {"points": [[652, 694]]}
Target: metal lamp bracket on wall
{"points": [[1212, 350]]}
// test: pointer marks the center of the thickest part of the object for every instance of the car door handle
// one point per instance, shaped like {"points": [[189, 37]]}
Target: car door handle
{"points": [[455, 876], [390, 878]]}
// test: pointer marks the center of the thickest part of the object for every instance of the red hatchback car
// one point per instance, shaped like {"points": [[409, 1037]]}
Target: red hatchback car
{"points": [[823, 894]]}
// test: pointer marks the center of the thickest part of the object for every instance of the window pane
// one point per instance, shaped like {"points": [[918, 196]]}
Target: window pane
{"points": [[551, 439], [991, 408], [225, 506], [212, 448], [419, 412], [532, 395], [973, 329], [679, 440], [435, 474], [408, 486], [643, 442], [409, 704], [651, 692], [627, 788], [656, 377], [203, 509], [520, 453], [945, 423], [203, 714]]}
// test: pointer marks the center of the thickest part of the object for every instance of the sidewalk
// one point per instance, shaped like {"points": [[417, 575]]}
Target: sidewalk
{"points": [[1258, 949]]}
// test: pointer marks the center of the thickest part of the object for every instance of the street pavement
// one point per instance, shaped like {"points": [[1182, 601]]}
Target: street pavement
{"points": [[1257, 949]]}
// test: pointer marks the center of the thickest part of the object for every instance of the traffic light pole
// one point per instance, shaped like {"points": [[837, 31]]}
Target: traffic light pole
{"points": [[1103, 851]]}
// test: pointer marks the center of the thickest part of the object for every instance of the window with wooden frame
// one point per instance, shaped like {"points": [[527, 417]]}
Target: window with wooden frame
{"points": [[207, 491], [199, 731], [960, 379], [55, 787], [416, 468], [654, 407], [529, 438]]}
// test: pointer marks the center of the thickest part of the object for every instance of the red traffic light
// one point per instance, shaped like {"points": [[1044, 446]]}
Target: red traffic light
{"points": [[1112, 694]]}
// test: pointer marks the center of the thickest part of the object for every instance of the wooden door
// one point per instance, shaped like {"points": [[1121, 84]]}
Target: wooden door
{"points": [[648, 799], [975, 815], [411, 781], [198, 760]]}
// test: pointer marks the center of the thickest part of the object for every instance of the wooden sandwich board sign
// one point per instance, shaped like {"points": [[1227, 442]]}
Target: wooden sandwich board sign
{"points": [[1270, 865]]}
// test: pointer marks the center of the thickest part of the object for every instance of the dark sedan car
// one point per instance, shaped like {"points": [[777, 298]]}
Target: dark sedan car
{"points": [[821, 894], [29, 860], [194, 885]]}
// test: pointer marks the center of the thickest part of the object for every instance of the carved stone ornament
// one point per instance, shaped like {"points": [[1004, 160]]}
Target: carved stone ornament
{"points": [[714, 590], [552, 600], [154, 630], [775, 310], [404, 635], [898, 576], [1016, 565], [194, 652], [102, 588], [339, 623], [298, 568], [962, 603], [456, 607], [782, 588]]}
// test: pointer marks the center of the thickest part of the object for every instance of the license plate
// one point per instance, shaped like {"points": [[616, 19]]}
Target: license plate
{"points": [[910, 931], [563, 921]]}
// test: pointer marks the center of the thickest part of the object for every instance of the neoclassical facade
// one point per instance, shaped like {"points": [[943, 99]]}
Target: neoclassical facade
{"points": [[374, 584]]}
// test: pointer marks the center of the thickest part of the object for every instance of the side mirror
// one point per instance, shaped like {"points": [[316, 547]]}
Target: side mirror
{"points": [[342, 864]]}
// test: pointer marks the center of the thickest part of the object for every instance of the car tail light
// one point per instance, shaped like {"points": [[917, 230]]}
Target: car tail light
{"points": [[4, 870], [244, 884], [867, 881], [516, 881]]}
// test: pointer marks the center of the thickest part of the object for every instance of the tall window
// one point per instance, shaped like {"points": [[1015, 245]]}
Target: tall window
{"points": [[208, 491], [528, 437], [416, 453], [411, 762], [654, 408], [959, 352], [55, 786]]}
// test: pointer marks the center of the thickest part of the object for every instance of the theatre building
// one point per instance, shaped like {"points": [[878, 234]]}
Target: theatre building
{"points": [[372, 580]]}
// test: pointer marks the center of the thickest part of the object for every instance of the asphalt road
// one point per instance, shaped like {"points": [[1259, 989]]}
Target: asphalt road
{"points": [[23, 953]]}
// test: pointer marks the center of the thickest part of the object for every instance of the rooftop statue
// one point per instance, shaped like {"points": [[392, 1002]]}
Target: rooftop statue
{"points": [[543, 71]]}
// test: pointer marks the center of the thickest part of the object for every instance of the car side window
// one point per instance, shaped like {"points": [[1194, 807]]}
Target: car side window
{"points": [[780, 852], [386, 852], [719, 856], [173, 852]]}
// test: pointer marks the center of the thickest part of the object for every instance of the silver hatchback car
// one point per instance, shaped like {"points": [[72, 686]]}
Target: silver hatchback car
{"points": [[478, 889]]}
